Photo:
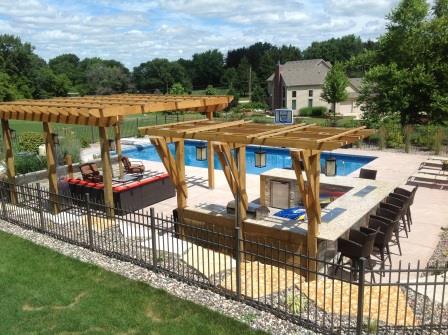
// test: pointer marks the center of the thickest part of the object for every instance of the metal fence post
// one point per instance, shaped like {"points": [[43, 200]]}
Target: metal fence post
{"points": [[238, 232], [153, 236], [361, 286], [89, 221], [40, 207], [4, 199], [238, 262]]}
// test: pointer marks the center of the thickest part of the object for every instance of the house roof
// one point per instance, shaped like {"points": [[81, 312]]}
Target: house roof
{"points": [[308, 72], [304, 72]]}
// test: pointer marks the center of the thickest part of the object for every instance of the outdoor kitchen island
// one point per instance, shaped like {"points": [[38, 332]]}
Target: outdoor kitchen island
{"points": [[354, 199]]}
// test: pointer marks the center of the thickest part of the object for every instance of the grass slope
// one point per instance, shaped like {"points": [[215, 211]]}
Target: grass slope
{"points": [[43, 292]]}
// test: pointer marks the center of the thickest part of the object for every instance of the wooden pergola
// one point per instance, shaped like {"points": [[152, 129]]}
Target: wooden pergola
{"points": [[97, 111], [306, 141]]}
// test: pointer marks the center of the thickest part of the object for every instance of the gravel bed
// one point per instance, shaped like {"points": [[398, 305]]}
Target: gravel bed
{"points": [[440, 254], [112, 241], [255, 318]]}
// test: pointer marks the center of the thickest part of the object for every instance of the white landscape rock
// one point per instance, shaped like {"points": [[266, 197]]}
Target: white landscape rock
{"points": [[62, 218], [438, 293], [169, 243], [134, 231]]}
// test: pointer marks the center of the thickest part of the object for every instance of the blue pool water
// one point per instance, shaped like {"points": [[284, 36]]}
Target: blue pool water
{"points": [[275, 158]]}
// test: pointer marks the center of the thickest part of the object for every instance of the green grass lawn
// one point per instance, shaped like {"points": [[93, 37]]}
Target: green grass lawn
{"points": [[43, 292]]}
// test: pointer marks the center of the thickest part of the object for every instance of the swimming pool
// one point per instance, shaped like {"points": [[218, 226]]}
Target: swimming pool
{"points": [[275, 158]]}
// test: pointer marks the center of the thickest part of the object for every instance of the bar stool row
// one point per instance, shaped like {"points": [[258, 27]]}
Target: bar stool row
{"points": [[392, 216]]}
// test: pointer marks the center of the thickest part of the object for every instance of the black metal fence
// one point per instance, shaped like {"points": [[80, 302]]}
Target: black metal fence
{"points": [[261, 273]]}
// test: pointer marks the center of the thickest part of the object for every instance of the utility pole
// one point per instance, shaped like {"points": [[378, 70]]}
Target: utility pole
{"points": [[250, 83]]}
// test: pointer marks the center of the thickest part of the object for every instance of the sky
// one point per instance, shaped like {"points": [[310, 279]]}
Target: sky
{"points": [[136, 31]]}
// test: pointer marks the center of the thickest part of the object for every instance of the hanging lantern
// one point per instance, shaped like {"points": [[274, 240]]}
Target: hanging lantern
{"points": [[201, 152], [111, 145], [330, 167], [260, 158]]}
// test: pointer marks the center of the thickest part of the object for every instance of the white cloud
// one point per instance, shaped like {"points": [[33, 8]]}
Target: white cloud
{"points": [[137, 30]]}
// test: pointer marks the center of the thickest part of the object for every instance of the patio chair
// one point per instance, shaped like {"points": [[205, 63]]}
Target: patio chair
{"points": [[367, 174], [388, 216], [90, 173], [132, 167], [400, 206], [407, 202], [358, 245], [383, 237], [410, 195]]}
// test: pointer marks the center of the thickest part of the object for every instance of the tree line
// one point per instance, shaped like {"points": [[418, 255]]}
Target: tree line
{"points": [[23, 74], [405, 72]]}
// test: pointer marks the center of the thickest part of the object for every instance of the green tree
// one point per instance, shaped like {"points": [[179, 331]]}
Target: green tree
{"points": [[242, 83], [68, 65], [8, 91], [335, 49], [440, 8], [408, 72], [177, 89], [159, 74], [208, 68], [334, 88], [229, 78], [258, 94], [104, 79]]}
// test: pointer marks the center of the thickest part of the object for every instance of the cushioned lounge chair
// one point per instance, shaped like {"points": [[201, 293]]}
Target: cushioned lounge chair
{"points": [[90, 172], [132, 167]]}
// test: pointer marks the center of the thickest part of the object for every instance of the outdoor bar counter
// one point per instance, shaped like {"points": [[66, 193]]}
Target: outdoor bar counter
{"points": [[349, 210]]}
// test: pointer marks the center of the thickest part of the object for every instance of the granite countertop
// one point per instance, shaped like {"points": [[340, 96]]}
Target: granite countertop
{"points": [[346, 210]]}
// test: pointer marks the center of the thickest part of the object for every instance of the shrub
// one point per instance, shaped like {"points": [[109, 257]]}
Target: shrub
{"points": [[254, 105], [297, 304], [313, 111], [439, 136], [30, 142], [26, 162], [210, 90]]}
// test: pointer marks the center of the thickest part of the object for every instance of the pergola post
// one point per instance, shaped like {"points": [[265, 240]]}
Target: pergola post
{"points": [[107, 171], [242, 175], [310, 196], [180, 167], [68, 160], [211, 159], [9, 160], [117, 133], [50, 149]]}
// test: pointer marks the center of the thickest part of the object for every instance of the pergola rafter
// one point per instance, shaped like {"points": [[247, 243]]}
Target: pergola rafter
{"points": [[306, 143]]}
